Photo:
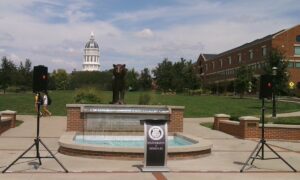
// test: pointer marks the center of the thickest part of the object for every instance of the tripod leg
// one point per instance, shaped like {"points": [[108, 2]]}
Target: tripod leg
{"points": [[38, 151], [18, 158], [280, 157], [246, 163], [256, 154], [53, 156]]}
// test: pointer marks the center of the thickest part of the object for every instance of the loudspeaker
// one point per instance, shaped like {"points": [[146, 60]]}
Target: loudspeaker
{"points": [[40, 78], [266, 86]]}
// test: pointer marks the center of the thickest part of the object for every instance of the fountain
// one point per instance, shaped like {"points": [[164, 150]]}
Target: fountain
{"points": [[116, 131]]}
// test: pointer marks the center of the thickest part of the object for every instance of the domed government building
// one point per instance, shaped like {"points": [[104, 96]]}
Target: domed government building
{"points": [[91, 60]]}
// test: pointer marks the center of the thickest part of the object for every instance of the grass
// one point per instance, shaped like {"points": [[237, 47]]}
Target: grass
{"points": [[207, 124], [285, 120], [19, 122], [195, 106]]}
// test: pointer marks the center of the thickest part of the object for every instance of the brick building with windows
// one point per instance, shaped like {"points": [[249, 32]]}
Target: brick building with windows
{"points": [[221, 68]]}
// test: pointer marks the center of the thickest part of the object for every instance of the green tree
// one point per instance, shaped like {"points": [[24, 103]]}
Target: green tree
{"points": [[145, 79], [7, 73], [132, 82], [176, 77], [275, 58], [244, 76], [190, 76], [163, 75], [61, 79], [24, 75], [100, 80]]}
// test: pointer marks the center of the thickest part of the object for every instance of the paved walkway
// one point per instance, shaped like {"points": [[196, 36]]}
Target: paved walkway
{"points": [[225, 161]]}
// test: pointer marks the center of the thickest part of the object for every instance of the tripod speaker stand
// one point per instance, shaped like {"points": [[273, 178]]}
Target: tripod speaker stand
{"points": [[260, 147], [36, 144]]}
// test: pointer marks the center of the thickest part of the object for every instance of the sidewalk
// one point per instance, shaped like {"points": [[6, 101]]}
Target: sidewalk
{"points": [[225, 161]]}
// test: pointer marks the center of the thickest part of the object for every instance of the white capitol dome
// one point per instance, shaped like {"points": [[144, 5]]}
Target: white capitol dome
{"points": [[91, 60]]}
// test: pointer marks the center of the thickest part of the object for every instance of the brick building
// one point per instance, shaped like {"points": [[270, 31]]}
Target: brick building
{"points": [[220, 68]]}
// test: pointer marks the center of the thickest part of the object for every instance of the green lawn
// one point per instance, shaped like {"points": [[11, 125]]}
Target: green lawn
{"points": [[195, 106], [207, 124], [285, 120]]}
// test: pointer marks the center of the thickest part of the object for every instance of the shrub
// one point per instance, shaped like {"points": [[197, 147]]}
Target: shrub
{"points": [[144, 99], [88, 96]]}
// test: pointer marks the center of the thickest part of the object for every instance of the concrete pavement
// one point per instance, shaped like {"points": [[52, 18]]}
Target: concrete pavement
{"points": [[227, 157]]}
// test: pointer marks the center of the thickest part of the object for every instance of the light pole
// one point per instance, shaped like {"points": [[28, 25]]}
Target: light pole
{"points": [[274, 73]]}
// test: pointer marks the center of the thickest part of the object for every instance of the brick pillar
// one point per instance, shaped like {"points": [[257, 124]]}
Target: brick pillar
{"points": [[176, 119], [74, 119], [249, 127], [12, 115], [218, 118]]}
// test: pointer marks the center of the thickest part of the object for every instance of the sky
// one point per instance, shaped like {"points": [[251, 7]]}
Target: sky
{"points": [[138, 33]]}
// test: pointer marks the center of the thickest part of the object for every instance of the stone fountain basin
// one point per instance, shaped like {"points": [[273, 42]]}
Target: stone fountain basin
{"points": [[68, 146]]}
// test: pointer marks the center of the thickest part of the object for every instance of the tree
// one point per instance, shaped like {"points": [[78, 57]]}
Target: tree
{"points": [[24, 75], [132, 83], [7, 73], [101, 80], [176, 77], [164, 75], [244, 76], [61, 79], [145, 79], [275, 58], [190, 76]]}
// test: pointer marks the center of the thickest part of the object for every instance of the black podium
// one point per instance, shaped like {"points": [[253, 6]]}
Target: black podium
{"points": [[156, 145]]}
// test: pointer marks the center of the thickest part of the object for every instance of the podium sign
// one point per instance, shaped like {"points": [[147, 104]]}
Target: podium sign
{"points": [[156, 145]]}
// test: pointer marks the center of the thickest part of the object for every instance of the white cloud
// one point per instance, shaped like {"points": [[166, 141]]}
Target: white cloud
{"points": [[183, 30], [145, 33]]}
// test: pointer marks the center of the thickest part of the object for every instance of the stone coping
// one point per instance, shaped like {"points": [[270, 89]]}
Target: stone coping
{"points": [[230, 122], [8, 112], [126, 106], [222, 115], [67, 141], [281, 126], [248, 118]]}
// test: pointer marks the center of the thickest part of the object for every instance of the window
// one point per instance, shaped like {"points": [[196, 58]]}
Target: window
{"points": [[213, 65], [297, 50], [240, 57], [291, 65], [264, 51], [205, 67], [297, 65], [229, 60], [251, 54], [257, 66], [298, 38], [221, 62]]}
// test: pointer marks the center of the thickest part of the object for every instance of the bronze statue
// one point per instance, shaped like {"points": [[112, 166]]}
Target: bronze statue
{"points": [[118, 84]]}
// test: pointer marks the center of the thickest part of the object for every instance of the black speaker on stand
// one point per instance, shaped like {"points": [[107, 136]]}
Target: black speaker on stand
{"points": [[40, 83], [40, 79], [266, 87]]}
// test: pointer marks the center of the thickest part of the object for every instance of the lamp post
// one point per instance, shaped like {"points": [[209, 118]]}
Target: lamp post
{"points": [[274, 73]]}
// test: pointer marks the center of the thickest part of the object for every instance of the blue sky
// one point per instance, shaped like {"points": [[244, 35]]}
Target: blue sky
{"points": [[138, 33]]}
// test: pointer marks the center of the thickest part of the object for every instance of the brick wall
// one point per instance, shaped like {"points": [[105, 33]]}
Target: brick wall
{"points": [[176, 120], [232, 128], [75, 119], [248, 127], [4, 126], [281, 133]]}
